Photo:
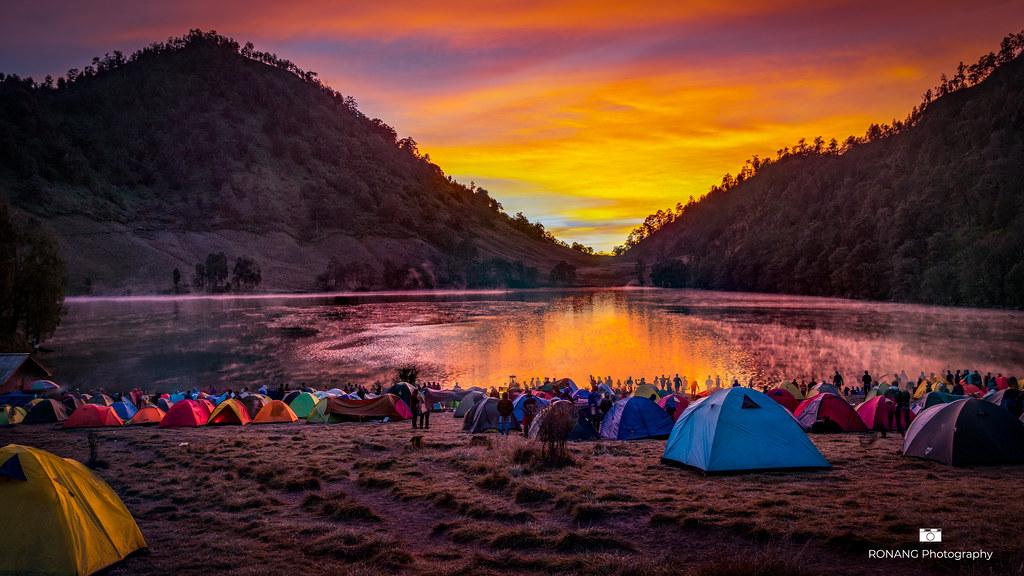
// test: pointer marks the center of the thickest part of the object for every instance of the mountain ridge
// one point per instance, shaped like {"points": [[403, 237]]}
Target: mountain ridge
{"points": [[148, 163]]}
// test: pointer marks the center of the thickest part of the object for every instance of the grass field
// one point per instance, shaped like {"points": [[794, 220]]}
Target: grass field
{"points": [[359, 499]]}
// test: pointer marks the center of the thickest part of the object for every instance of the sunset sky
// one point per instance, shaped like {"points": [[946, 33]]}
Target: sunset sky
{"points": [[585, 115]]}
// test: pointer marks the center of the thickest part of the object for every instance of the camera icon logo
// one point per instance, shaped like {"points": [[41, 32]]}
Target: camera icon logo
{"points": [[931, 535]]}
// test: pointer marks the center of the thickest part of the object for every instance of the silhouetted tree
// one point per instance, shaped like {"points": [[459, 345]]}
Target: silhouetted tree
{"points": [[563, 274]]}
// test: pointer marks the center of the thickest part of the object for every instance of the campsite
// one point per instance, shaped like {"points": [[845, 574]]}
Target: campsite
{"points": [[361, 498]]}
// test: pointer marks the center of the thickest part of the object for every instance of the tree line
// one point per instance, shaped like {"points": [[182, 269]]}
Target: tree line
{"points": [[211, 275], [966, 76]]}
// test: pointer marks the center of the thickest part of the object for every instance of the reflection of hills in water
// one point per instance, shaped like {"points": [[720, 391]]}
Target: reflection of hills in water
{"points": [[483, 338]]}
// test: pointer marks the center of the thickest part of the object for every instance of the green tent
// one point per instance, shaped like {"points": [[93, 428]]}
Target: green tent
{"points": [[303, 404], [319, 414]]}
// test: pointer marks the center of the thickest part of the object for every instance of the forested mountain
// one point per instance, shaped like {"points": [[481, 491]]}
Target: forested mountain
{"points": [[930, 209], [200, 147]]}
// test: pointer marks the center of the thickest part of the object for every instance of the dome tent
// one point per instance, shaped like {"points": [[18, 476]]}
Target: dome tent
{"points": [[147, 415], [829, 405], [784, 397], [634, 418], [483, 416], [93, 416], [230, 411], [740, 429], [68, 519], [274, 411], [965, 432], [186, 413]]}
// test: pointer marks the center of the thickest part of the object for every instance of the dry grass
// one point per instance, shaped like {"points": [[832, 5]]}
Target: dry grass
{"points": [[353, 499]]}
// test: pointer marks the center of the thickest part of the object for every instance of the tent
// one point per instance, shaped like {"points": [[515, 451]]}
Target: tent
{"points": [[11, 415], [965, 432], [792, 388], [634, 418], [230, 411], [46, 411], [582, 430], [302, 404], [484, 416], [275, 411], [740, 429], [826, 404], [972, 390], [148, 415], [319, 414], [254, 403], [125, 409], [932, 398], [68, 520], [72, 402], [186, 413], [93, 416], [1012, 400], [875, 413], [467, 403], [646, 391], [100, 399], [784, 397], [446, 396], [165, 404], [403, 390], [291, 395], [563, 384], [825, 388], [517, 410], [679, 400], [335, 409]]}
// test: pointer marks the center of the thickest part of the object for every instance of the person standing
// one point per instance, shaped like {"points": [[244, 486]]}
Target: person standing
{"points": [[837, 379], [414, 407], [425, 406], [866, 380], [505, 408], [529, 411], [677, 384]]}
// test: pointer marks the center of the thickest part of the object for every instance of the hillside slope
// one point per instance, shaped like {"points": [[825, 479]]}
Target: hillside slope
{"points": [[933, 212], [149, 163]]}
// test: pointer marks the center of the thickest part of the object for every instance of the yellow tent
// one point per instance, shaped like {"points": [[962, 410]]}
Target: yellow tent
{"points": [[645, 391], [10, 415], [61, 517], [792, 389]]}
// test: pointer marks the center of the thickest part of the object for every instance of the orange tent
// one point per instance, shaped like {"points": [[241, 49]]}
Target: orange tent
{"points": [[230, 411], [148, 415], [92, 416], [275, 411]]}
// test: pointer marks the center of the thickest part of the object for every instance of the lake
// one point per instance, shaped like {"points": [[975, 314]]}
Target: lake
{"points": [[483, 338]]}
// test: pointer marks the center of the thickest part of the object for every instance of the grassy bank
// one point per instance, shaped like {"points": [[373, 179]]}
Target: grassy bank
{"points": [[359, 499]]}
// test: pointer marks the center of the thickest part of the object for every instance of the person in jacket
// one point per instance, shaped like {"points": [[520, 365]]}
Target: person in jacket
{"points": [[505, 408]]}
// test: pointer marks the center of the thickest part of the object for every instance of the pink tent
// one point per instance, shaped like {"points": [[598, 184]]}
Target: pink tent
{"points": [[681, 404]]}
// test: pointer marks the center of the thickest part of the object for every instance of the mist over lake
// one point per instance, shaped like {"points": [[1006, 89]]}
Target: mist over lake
{"points": [[481, 338]]}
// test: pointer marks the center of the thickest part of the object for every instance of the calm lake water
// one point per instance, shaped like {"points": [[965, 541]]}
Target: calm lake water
{"points": [[481, 338]]}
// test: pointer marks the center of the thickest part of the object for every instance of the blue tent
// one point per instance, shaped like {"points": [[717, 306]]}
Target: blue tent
{"points": [[517, 406], [740, 429], [125, 409], [635, 417]]}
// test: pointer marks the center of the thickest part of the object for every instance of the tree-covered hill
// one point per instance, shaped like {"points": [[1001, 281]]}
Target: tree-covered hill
{"points": [[930, 209], [199, 146]]}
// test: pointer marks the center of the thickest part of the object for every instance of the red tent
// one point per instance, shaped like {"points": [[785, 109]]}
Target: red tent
{"points": [[835, 408], [186, 413], [91, 416], [972, 390], [681, 404], [875, 413], [784, 397]]}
